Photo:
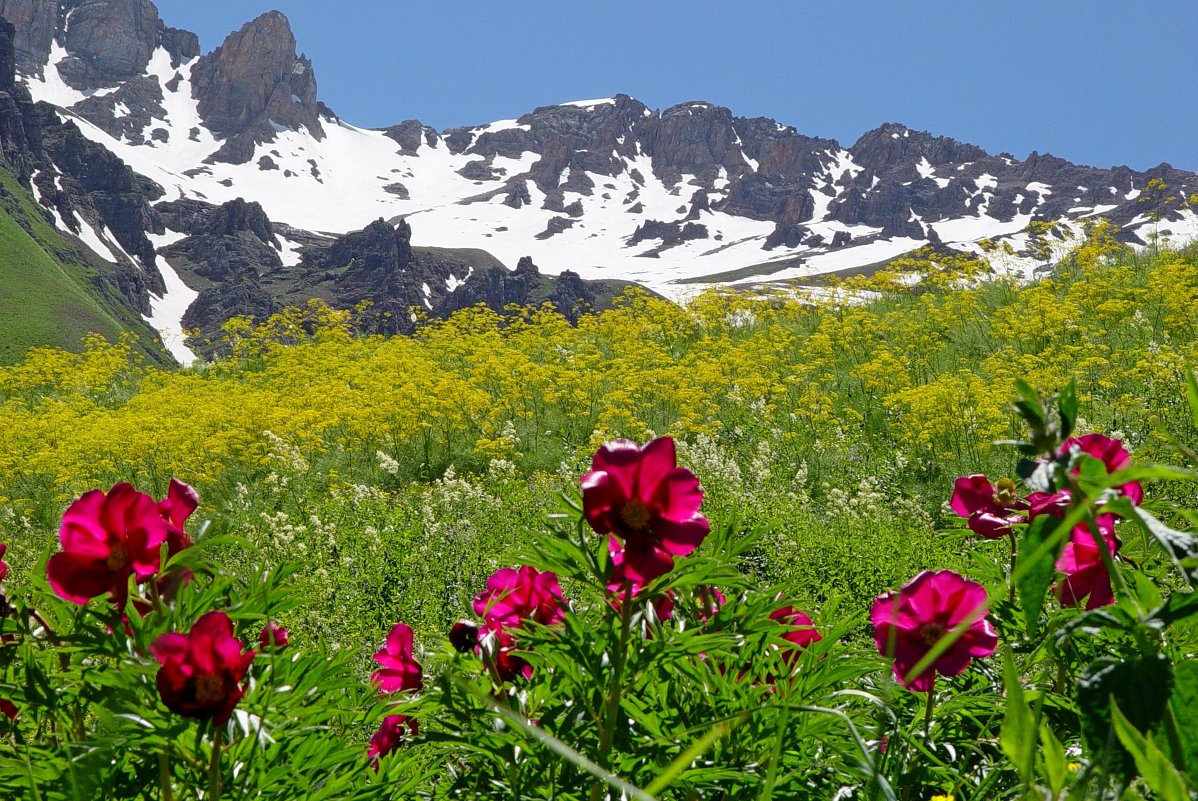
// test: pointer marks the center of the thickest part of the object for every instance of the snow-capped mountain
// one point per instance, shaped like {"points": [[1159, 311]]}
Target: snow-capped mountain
{"points": [[605, 188]]}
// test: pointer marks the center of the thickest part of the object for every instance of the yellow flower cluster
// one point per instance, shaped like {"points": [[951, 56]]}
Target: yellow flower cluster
{"points": [[928, 370]]}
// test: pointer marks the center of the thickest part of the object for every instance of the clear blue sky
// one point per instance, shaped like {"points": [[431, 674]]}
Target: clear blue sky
{"points": [[1098, 82]]}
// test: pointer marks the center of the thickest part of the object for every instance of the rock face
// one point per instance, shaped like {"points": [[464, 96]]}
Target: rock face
{"points": [[109, 41], [35, 23], [84, 184], [253, 82], [498, 287]]}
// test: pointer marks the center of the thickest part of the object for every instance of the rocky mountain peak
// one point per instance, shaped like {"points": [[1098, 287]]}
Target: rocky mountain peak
{"points": [[253, 83], [893, 144]]}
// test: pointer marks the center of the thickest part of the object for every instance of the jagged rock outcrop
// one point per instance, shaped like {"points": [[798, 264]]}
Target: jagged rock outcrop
{"points": [[498, 287], [229, 244], [253, 82], [410, 135], [109, 41], [35, 23]]}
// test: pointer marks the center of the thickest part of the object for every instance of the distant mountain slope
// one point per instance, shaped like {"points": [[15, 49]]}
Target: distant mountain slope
{"points": [[51, 293], [605, 188]]}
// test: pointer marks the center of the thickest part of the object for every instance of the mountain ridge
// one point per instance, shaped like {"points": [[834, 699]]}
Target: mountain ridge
{"points": [[601, 188]]}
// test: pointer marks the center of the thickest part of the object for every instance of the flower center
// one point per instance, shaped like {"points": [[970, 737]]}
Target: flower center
{"points": [[209, 688], [1006, 493], [635, 514], [118, 558], [931, 633]]}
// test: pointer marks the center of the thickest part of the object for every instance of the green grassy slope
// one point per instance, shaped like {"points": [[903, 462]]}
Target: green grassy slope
{"points": [[48, 291]]}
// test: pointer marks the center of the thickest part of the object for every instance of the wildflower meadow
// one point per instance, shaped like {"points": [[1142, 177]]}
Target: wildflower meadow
{"points": [[933, 543]]}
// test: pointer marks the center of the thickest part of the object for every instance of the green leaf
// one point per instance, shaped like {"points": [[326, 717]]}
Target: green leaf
{"points": [[1180, 545], [1184, 704], [1140, 686], [1018, 734], [1192, 395], [1155, 768], [1036, 567], [1056, 765], [1067, 406], [1030, 406]]}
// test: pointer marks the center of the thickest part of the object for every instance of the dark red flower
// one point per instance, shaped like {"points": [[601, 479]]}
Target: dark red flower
{"points": [[1113, 456], [389, 736], [180, 501], [991, 509], [9, 709], [399, 671], [463, 636], [641, 496], [621, 586], [498, 648], [1048, 503], [273, 636], [513, 596], [202, 671], [1085, 572], [105, 540], [907, 623], [801, 631]]}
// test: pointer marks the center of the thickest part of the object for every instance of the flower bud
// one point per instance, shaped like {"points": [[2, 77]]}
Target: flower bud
{"points": [[463, 636]]}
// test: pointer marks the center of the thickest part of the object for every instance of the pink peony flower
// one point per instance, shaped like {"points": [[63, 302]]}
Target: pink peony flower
{"points": [[399, 671], [621, 586], [1048, 503], [1085, 572], [1113, 456], [513, 596], [389, 736], [273, 635], [642, 497], [180, 501], [105, 540], [991, 509], [801, 633], [907, 623], [3, 564], [498, 647], [202, 671]]}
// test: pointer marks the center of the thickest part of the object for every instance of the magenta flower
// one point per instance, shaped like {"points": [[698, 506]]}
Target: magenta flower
{"points": [[389, 736], [513, 596], [180, 501], [3, 564], [202, 671], [621, 586], [399, 671], [800, 633], [498, 649], [273, 635], [907, 623], [641, 496], [1048, 503], [1113, 456], [105, 540], [991, 509], [1085, 572]]}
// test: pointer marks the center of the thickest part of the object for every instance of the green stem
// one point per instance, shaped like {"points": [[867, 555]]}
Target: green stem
{"points": [[1014, 558], [927, 712], [214, 777], [164, 776], [611, 712]]}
